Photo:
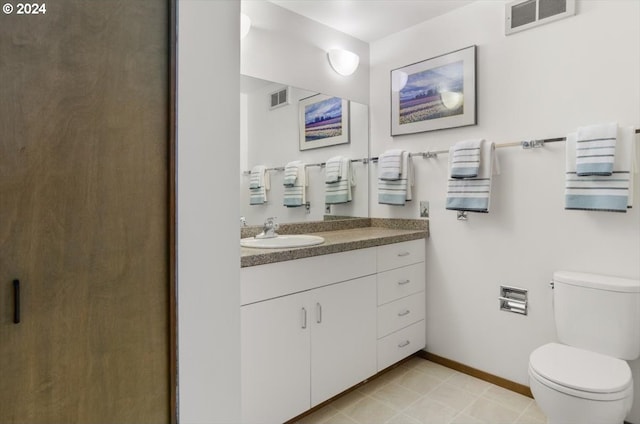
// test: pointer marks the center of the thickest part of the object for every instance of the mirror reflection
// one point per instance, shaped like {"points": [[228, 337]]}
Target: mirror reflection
{"points": [[282, 124]]}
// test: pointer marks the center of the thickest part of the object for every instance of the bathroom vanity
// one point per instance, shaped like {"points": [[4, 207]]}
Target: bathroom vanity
{"points": [[319, 320]]}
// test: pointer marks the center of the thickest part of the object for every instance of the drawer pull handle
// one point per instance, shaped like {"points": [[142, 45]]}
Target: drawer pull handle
{"points": [[304, 318], [318, 313], [404, 254], [404, 344], [404, 313], [403, 282]]}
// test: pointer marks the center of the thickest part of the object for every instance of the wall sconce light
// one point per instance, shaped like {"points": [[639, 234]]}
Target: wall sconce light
{"points": [[245, 25], [343, 62]]}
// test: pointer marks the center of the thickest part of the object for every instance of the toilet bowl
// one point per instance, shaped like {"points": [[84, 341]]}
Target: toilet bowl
{"points": [[573, 385]]}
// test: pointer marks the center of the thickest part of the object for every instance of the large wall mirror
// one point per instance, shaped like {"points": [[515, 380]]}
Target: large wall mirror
{"points": [[271, 121]]}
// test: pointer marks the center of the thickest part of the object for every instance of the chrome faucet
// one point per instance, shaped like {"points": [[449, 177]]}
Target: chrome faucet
{"points": [[269, 228]]}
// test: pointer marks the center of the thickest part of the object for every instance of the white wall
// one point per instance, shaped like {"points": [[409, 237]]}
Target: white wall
{"points": [[539, 83], [208, 269], [272, 140], [288, 48]]}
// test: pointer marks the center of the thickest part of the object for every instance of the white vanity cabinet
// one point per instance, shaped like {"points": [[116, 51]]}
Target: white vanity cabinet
{"points": [[401, 301], [314, 327], [310, 335]]}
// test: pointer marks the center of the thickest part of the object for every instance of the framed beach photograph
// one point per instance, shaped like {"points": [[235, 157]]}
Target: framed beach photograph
{"points": [[434, 94], [324, 121]]}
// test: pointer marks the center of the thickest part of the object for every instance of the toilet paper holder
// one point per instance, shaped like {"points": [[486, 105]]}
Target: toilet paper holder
{"points": [[513, 299]]}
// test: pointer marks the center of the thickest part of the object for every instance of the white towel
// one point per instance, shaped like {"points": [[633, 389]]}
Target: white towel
{"points": [[465, 161], [399, 191], [612, 193], [340, 191], [474, 194], [296, 194], [290, 173], [259, 183], [595, 149], [333, 170], [390, 165]]}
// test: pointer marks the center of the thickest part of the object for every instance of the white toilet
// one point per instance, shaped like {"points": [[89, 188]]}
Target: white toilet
{"points": [[584, 379]]}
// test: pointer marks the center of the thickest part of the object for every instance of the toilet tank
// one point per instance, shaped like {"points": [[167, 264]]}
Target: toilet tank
{"points": [[598, 313]]}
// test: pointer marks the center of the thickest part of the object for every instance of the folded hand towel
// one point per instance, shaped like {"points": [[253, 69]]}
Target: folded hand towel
{"points": [[473, 194], [613, 193], [595, 149], [291, 173], [340, 191], [390, 165], [399, 191], [256, 178], [296, 194], [465, 161], [333, 169], [259, 183]]}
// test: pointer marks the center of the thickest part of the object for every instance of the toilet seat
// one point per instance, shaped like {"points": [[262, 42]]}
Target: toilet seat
{"points": [[581, 373]]}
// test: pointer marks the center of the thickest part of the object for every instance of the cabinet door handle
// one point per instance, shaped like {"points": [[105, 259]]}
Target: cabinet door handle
{"points": [[403, 282], [318, 313], [16, 301], [304, 318], [403, 313], [404, 344], [404, 254]]}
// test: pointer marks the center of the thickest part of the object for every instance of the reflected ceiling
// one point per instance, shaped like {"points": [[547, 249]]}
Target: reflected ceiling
{"points": [[371, 20]]}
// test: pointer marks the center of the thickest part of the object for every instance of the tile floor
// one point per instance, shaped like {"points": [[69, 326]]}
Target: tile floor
{"points": [[422, 392]]}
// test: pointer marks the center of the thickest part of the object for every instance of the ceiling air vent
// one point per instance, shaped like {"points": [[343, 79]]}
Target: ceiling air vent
{"points": [[279, 98], [525, 14]]}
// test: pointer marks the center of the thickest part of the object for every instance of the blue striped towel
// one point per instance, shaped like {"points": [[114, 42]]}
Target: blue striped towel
{"points": [[473, 194], [613, 193], [340, 191], [399, 191], [333, 170], [296, 195], [465, 162], [390, 165], [290, 173], [595, 149], [258, 185]]}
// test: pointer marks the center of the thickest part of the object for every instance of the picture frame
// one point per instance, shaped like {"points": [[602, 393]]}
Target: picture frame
{"points": [[435, 93], [323, 121]]}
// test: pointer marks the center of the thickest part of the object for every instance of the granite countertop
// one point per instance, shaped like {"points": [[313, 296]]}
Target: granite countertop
{"points": [[366, 233]]}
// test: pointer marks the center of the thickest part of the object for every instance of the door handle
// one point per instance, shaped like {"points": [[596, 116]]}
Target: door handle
{"points": [[16, 301]]}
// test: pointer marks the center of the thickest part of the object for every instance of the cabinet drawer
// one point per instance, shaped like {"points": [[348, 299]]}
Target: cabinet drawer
{"points": [[395, 255], [400, 313], [400, 282], [268, 281], [399, 345]]}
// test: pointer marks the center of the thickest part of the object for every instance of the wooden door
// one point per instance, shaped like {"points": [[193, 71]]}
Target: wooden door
{"points": [[84, 95]]}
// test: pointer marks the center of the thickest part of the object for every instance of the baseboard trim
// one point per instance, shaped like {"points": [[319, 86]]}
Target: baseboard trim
{"points": [[465, 369]]}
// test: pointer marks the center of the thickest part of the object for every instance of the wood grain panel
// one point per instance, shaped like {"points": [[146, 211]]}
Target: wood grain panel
{"points": [[83, 212]]}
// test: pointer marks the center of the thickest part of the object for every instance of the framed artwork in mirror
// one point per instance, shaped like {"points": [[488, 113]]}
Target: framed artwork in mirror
{"points": [[434, 94], [323, 121]]}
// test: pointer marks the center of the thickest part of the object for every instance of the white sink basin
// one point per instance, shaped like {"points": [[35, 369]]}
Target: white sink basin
{"points": [[282, 241]]}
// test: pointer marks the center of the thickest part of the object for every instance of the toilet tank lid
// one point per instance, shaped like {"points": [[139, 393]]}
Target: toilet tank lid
{"points": [[597, 281]]}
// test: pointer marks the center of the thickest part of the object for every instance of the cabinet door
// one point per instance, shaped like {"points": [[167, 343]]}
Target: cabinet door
{"points": [[343, 337], [275, 359]]}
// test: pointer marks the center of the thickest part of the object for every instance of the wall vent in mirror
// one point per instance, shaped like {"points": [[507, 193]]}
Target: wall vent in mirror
{"points": [[279, 98], [525, 14]]}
